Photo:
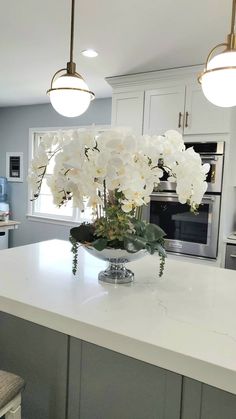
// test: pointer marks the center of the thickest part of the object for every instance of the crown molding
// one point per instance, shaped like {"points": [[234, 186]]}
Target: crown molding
{"points": [[141, 79]]}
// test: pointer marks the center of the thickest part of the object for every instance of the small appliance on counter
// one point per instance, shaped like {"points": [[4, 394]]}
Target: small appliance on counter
{"points": [[4, 211]]}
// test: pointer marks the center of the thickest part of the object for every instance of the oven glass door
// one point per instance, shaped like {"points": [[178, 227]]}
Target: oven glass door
{"points": [[186, 232]]}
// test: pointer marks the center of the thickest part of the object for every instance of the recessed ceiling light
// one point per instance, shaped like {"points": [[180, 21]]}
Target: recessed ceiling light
{"points": [[91, 53]]}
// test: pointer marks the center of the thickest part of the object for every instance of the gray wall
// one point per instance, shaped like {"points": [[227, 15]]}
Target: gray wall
{"points": [[14, 136], [232, 200]]}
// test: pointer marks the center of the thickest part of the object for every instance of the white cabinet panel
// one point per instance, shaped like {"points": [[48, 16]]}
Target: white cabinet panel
{"points": [[203, 117], [164, 109], [127, 110], [167, 103]]}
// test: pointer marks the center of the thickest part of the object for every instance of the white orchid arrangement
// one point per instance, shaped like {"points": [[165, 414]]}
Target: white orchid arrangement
{"points": [[115, 172]]}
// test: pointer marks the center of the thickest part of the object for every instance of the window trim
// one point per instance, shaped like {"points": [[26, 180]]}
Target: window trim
{"points": [[50, 218]]}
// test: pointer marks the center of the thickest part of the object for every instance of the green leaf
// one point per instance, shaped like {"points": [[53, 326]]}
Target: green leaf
{"points": [[153, 232], [134, 243], [99, 244], [150, 248], [140, 226]]}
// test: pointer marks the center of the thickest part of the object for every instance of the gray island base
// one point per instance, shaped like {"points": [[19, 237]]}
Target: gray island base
{"points": [[158, 349], [71, 379]]}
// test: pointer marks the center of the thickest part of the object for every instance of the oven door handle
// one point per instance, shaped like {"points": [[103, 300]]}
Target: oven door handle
{"points": [[174, 195], [209, 158], [165, 195], [208, 198]]}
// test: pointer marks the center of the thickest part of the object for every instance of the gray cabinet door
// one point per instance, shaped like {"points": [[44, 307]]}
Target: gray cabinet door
{"points": [[230, 256], [114, 386], [39, 355], [200, 401]]}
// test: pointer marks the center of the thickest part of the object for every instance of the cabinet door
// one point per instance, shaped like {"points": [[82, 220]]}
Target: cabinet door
{"points": [[200, 401], [230, 256], [201, 116], [127, 110], [106, 385], [164, 109], [39, 355]]}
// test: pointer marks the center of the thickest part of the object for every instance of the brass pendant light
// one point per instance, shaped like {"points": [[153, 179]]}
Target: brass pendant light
{"points": [[218, 78], [69, 94]]}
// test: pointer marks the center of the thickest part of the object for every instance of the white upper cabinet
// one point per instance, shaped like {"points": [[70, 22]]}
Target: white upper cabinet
{"points": [[201, 116], [154, 102], [164, 109], [184, 108], [127, 110]]}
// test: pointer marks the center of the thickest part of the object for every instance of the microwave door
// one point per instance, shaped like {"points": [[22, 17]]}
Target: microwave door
{"points": [[214, 176]]}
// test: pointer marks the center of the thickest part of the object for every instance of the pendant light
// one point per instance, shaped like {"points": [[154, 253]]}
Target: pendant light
{"points": [[218, 79], [69, 94]]}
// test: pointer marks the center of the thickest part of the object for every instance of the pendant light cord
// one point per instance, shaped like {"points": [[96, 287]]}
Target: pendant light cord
{"points": [[233, 17], [72, 30]]}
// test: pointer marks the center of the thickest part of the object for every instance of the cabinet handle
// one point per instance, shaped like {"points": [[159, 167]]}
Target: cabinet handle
{"points": [[233, 256], [180, 117], [186, 120]]}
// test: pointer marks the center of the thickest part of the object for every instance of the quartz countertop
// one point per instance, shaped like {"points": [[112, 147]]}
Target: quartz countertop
{"points": [[184, 322]]}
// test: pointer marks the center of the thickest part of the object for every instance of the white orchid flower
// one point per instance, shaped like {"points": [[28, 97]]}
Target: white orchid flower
{"points": [[86, 160]]}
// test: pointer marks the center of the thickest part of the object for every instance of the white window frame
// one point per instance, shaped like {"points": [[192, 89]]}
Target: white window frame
{"points": [[53, 218]]}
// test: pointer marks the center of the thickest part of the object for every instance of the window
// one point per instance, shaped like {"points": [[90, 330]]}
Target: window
{"points": [[43, 207]]}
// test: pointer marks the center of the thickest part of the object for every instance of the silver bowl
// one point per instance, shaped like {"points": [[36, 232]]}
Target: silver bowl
{"points": [[116, 272]]}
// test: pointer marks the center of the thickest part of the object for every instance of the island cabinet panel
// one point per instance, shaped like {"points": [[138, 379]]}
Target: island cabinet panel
{"points": [[39, 355], [114, 386], [200, 401]]}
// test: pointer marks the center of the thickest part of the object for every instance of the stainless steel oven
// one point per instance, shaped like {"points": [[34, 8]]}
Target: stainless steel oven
{"points": [[187, 233]]}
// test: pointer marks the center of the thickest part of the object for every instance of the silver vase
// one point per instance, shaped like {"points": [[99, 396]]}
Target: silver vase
{"points": [[116, 272]]}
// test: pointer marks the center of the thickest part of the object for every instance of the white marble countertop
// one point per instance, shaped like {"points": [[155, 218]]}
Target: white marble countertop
{"points": [[185, 322]]}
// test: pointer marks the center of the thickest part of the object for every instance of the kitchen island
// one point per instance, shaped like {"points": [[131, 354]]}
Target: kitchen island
{"points": [[89, 350]]}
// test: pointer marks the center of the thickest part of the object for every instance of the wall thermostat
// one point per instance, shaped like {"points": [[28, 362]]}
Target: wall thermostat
{"points": [[14, 166]]}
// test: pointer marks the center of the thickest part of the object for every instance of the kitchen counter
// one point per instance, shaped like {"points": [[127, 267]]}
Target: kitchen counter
{"points": [[184, 322], [9, 225], [231, 239]]}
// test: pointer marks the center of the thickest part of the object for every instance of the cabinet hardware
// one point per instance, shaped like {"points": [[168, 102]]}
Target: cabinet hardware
{"points": [[233, 256], [186, 120], [180, 117]]}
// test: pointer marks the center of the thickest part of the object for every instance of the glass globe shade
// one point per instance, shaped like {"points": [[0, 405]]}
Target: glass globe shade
{"points": [[219, 86], [66, 102]]}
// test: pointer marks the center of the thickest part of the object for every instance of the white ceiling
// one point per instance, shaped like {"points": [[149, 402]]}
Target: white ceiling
{"points": [[130, 35]]}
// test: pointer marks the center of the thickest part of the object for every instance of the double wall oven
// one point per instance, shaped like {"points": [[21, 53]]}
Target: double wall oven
{"points": [[187, 233]]}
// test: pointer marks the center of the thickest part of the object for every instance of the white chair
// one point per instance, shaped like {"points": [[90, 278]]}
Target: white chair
{"points": [[11, 386]]}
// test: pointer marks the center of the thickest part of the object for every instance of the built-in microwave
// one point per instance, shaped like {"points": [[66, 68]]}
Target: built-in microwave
{"points": [[211, 153]]}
